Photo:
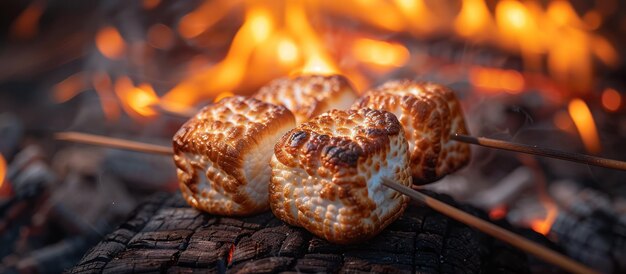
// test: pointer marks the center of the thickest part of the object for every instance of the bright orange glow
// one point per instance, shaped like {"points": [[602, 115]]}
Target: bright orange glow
{"points": [[611, 99], [287, 51], [150, 4], [136, 100], [318, 60], [261, 24], [512, 15], [473, 19], [581, 115], [497, 80], [26, 24], [110, 43], [543, 226], [3, 170], [160, 36], [228, 73], [380, 52], [605, 52], [223, 95], [562, 13], [68, 88], [497, 213], [104, 87]]}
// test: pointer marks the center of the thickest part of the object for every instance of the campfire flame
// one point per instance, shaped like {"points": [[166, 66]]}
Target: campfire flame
{"points": [[136, 101], [581, 115], [278, 38]]}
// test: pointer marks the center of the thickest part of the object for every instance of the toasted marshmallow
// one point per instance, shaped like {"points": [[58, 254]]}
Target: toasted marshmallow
{"points": [[429, 113], [222, 155], [327, 174], [307, 96]]}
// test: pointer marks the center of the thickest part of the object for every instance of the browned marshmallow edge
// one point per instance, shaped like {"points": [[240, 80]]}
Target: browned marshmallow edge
{"points": [[222, 155]]}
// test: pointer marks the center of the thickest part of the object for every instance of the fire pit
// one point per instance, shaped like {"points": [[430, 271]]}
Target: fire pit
{"points": [[545, 73]]}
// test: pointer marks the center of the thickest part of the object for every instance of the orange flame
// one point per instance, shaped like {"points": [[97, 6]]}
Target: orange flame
{"points": [[70, 87], [496, 80], [204, 17], [26, 24], [136, 101], [581, 115], [103, 86], [543, 226], [110, 43], [228, 73], [279, 38], [474, 19], [3, 170], [380, 53]]}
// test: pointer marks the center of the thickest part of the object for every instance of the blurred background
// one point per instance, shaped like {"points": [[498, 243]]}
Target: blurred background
{"points": [[549, 73]]}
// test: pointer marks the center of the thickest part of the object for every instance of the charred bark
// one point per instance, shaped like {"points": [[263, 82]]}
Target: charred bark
{"points": [[166, 235]]}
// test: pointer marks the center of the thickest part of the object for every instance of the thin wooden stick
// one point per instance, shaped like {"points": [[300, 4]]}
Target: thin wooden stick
{"points": [[112, 142], [541, 151], [452, 212], [493, 230]]}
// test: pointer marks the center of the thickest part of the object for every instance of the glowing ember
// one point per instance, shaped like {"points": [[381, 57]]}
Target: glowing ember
{"points": [[543, 225], [380, 52], [611, 99], [3, 170], [26, 24], [498, 212], [231, 251], [581, 115], [110, 43], [70, 87]]}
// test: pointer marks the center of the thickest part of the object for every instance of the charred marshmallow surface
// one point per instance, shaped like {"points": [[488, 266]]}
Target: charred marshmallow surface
{"points": [[222, 155], [429, 113], [307, 96], [326, 174]]}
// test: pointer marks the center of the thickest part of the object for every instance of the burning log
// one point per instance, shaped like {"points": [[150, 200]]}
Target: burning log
{"points": [[589, 227], [165, 234]]}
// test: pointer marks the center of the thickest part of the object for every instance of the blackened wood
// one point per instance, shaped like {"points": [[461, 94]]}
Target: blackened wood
{"points": [[166, 235]]}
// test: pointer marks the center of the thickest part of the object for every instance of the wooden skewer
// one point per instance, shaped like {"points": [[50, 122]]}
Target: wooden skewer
{"points": [[541, 151], [452, 212], [112, 142], [493, 143], [493, 230]]}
